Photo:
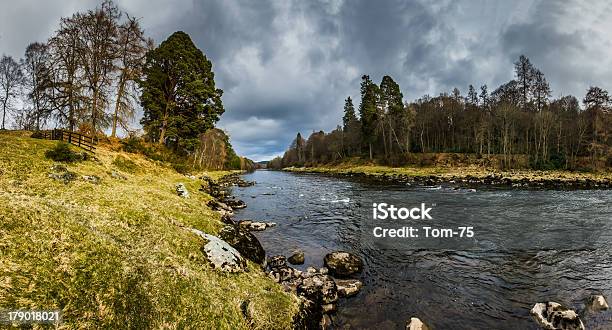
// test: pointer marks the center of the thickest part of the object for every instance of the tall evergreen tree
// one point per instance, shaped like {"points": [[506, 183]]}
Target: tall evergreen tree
{"points": [[368, 111], [179, 97], [524, 77]]}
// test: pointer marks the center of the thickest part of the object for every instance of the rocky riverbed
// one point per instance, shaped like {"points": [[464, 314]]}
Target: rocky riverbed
{"points": [[318, 290]]}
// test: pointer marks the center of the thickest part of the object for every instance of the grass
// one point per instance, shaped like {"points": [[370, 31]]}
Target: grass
{"points": [[117, 254]]}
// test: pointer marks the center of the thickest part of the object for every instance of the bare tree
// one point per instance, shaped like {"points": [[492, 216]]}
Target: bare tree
{"points": [[11, 80], [35, 66], [132, 47], [97, 50]]}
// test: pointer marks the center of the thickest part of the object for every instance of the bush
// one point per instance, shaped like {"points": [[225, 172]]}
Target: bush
{"points": [[37, 135], [62, 153], [133, 145]]}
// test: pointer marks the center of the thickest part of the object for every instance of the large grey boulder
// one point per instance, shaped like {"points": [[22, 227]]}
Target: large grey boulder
{"points": [[554, 316], [245, 242], [220, 254], [341, 263]]}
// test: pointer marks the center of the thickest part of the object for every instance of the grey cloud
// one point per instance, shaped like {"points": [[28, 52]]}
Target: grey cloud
{"points": [[286, 66]]}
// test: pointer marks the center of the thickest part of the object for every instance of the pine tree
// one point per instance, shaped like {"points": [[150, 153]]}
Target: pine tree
{"points": [[368, 111], [179, 97]]}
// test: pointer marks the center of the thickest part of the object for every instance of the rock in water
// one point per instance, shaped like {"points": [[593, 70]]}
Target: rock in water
{"points": [[597, 303], [342, 263], [181, 190], [416, 324], [256, 225], [348, 288], [245, 242], [277, 261], [554, 316], [297, 258], [220, 254]]}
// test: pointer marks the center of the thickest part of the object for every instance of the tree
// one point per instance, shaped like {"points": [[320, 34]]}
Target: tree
{"points": [[524, 77], [62, 85], [541, 90], [179, 97], [36, 67], [97, 49], [597, 103], [132, 47], [351, 133], [11, 79], [368, 111], [472, 97]]}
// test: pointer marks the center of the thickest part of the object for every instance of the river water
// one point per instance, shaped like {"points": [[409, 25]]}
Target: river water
{"points": [[528, 246]]}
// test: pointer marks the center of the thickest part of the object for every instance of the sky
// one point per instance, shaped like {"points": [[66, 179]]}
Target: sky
{"points": [[287, 66]]}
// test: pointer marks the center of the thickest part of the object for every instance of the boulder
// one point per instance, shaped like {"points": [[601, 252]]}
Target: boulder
{"points": [[181, 190], [416, 324], [309, 315], [341, 263], [597, 303], [245, 242], [318, 285], [348, 288], [218, 206], [235, 204], [65, 177], [277, 261], [297, 258], [554, 316], [118, 176], [220, 254], [91, 178], [256, 225]]}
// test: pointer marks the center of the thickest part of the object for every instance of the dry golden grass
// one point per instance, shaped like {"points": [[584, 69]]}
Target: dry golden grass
{"points": [[116, 254], [455, 172]]}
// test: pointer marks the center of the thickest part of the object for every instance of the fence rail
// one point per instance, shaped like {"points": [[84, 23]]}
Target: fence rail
{"points": [[80, 140]]}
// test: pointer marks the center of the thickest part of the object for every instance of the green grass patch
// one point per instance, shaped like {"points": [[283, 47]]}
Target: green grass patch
{"points": [[117, 254]]}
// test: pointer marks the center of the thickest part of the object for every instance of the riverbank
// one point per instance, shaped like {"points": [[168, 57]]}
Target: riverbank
{"points": [[105, 241], [469, 176]]}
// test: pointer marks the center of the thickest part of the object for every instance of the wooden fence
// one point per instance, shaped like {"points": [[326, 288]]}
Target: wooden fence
{"points": [[80, 140]]}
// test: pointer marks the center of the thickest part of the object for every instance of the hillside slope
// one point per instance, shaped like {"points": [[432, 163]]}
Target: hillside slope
{"points": [[116, 254]]}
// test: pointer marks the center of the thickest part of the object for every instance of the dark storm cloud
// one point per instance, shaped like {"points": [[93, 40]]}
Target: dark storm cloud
{"points": [[286, 66]]}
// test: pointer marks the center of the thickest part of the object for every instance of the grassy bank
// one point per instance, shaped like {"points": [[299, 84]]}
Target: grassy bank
{"points": [[116, 254], [456, 172]]}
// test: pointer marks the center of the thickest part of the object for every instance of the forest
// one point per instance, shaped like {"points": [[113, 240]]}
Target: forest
{"points": [[95, 73], [519, 118]]}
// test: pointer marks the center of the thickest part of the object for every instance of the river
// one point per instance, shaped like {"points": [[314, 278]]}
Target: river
{"points": [[529, 246]]}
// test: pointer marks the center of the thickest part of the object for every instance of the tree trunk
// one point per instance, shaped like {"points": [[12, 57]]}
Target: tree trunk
{"points": [[119, 96]]}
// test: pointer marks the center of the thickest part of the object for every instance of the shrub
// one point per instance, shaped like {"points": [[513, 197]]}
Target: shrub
{"points": [[133, 145], [37, 135], [62, 153]]}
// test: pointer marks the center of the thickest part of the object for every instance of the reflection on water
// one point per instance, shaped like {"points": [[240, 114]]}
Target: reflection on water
{"points": [[532, 246]]}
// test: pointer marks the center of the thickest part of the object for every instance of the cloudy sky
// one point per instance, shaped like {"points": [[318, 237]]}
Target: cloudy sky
{"points": [[286, 66]]}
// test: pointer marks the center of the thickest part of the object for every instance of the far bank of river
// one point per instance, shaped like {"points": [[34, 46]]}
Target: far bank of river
{"points": [[470, 176], [531, 245]]}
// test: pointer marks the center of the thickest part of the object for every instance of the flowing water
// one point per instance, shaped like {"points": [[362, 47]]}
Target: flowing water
{"points": [[529, 246]]}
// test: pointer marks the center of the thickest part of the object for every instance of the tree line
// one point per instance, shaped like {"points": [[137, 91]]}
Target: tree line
{"points": [[83, 78], [517, 118]]}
